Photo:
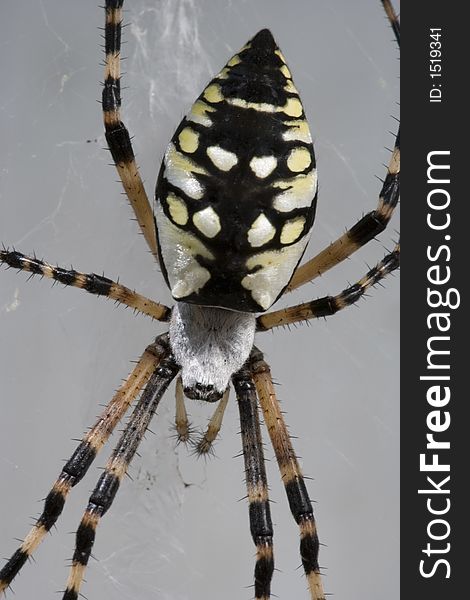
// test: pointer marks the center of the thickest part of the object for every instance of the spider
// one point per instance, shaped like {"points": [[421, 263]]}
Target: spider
{"points": [[194, 382]]}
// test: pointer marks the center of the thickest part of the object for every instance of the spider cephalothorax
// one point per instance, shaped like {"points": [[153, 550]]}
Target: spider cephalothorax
{"points": [[210, 345], [235, 206]]}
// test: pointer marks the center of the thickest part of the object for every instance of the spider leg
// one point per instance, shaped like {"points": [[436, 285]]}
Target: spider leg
{"points": [[204, 445], [182, 424], [373, 222], [103, 495], [393, 19], [80, 461], [329, 305], [90, 282], [117, 135], [297, 495], [257, 485]]}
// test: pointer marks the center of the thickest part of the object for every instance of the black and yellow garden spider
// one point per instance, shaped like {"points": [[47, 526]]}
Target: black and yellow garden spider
{"points": [[12, 259]]}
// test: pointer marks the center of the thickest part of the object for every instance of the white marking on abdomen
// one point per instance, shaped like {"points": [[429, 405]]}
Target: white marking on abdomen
{"points": [[222, 159], [276, 268], [179, 170], [207, 221], [262, 166], [179, 249], [261, 231]]}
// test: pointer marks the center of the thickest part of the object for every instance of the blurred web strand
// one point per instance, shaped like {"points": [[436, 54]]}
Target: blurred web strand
{"points": [[168, 54]]}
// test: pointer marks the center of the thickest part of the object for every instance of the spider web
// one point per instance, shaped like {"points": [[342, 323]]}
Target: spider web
{"points": [[177, 531]]}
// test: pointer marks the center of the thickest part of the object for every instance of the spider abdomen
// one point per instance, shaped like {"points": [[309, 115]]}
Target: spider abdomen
{"points": [[237, 189]]}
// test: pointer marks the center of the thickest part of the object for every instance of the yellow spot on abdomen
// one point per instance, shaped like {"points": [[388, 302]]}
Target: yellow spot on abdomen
{"points": [[281, 55], [293, 107], [235, 60], [198, 113], [189, 140], [299, 192], [299, 159], [224, 73], [285, 71], [213, 93], [290, 87], [177, 208], [292, 230]]}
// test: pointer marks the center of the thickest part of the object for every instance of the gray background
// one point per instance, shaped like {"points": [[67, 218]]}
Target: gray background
{"points": [[178, 531]]}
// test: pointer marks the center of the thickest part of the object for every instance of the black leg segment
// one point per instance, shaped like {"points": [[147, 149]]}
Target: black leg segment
{"points": [[256, 482]]}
